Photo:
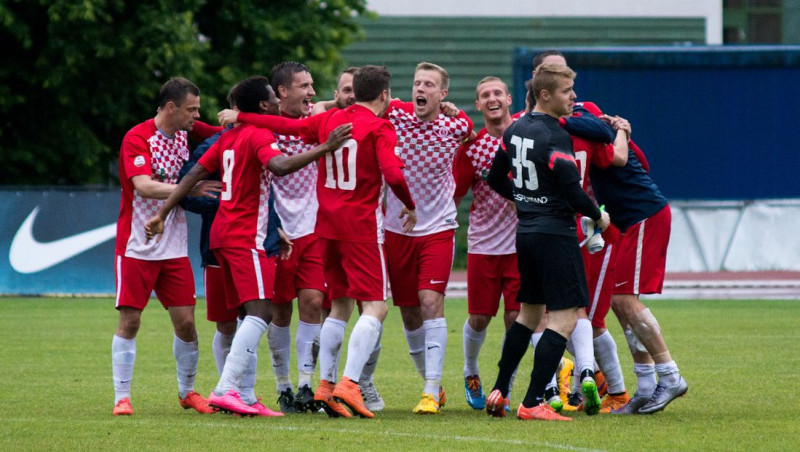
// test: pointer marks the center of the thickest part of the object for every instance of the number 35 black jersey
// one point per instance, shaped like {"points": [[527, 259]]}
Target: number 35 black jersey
{"points": [[543, 175]]}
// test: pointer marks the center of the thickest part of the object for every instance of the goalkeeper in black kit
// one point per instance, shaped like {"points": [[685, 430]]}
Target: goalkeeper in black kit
{"points": [[545, 187]]}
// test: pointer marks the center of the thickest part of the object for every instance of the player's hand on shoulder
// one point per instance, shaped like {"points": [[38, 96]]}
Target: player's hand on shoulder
{"points": [[227, 116], [338, 136], [206, 189], [410, 219], [450, 109]]}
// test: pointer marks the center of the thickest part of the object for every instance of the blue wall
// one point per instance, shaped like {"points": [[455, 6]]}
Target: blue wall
{"points": [[714, 122]]}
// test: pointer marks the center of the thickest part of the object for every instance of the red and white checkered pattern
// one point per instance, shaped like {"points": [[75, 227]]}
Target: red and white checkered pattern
{"points": [[428, 150], [167, 156], [492, 219], [296, 193]]}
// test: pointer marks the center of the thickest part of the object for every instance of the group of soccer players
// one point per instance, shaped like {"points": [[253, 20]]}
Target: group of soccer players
{"points": [[324, 167]]}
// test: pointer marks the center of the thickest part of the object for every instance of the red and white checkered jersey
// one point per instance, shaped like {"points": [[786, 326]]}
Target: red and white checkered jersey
{"points": [[296, 193], [145, 151], [492, 219], [241, 156], [428, 150]]}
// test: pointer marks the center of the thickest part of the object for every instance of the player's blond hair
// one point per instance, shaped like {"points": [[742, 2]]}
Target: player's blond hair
{"points": [[547, 76], [425, 66], [488, 79]]}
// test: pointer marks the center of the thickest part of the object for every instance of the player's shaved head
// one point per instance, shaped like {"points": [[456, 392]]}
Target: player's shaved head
{"points": [[175, 90], [370, 81], [488, 79]]}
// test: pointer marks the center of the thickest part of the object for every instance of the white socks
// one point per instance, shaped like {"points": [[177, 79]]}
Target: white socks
{"points": [[244, 346], [372, 363], [472, 342], [582, 344], [306, 361], [221, 346], [435, 345], [361, 345], [330, 346], [247, 384], [123, 355], [279, 339], [645, 379], [668, 374], [186, 355], [605, 352], [416, 348]]}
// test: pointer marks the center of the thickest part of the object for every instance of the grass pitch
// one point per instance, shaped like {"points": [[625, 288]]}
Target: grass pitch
{"points": [[739, 357]]}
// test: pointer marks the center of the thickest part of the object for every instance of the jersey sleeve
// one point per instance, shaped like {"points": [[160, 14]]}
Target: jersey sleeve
{"points": [[588, 127], [202, 131], [498, 178], [602, 154], [303, 127], [266, 147], [136, 156], [562, 162], [637, 151], [463, 170], [462, 115], [385, 144]]}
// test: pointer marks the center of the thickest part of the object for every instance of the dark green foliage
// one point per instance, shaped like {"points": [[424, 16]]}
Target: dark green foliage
{"points": [[77, 74]]}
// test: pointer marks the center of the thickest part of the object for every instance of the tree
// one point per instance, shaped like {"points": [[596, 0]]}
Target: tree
{"points": [[77, 74]]}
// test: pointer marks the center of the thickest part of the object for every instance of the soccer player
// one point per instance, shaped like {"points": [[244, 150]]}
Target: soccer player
{"points": [[300, 276], [217, 309], [638, 268], [247, 157], [644, 219], [343, 95], [420, 260], [547, 193], [349, 220], [492, 257], [591, 341], [150, 157]]}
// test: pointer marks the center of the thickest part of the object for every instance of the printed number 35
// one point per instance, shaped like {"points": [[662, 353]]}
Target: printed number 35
{"points": [[520, 160]]}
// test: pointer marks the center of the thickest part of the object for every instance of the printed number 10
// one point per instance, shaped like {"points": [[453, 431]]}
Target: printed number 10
{"points": [[345, 179]]}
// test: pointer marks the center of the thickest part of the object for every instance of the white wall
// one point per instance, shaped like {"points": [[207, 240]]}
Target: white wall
{"points": [[711, 10]]}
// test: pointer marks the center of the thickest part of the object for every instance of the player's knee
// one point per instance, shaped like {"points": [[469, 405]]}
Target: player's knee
{"points": [[479, 322]]}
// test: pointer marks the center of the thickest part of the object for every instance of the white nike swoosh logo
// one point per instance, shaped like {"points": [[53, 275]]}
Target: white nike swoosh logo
{"points": [[28, 255], [620, 284], [433, 281]]}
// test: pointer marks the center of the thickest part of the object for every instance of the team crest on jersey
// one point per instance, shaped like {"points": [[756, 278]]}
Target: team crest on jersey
{"points": [[183, 153], [138, 161], [443, 132]]}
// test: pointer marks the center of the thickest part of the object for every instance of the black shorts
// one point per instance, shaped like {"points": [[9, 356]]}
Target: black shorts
{"points": [[551, 271]]}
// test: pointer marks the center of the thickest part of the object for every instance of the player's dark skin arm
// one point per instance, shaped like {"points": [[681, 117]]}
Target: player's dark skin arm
{"points": [[498, 175]]}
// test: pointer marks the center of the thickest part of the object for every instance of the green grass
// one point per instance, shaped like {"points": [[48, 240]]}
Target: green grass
{"points": [[739, 357]]}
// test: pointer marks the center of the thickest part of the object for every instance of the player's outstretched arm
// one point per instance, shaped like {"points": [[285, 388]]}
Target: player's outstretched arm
{"points": [[282, 165], [191, 183]]}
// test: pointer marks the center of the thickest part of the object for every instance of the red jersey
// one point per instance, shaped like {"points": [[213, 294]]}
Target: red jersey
{"points": [[145, 151], [350, 181], [241, 155]]}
